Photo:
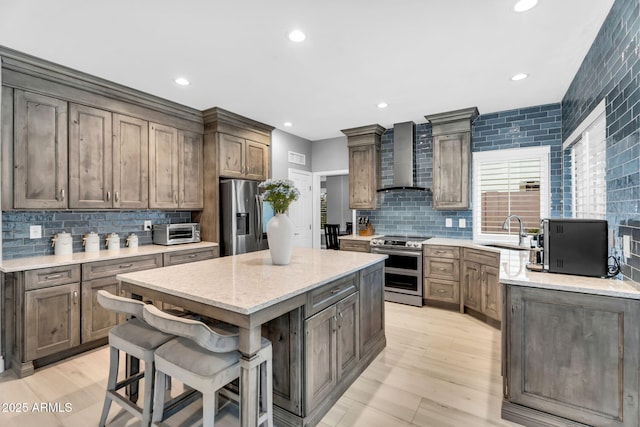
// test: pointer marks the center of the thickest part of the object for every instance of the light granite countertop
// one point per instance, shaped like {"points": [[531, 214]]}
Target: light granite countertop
{"points": [[513, 271], [249, 282], [45, 261], [359, 238]]}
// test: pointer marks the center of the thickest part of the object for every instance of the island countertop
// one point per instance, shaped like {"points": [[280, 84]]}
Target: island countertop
{"points": [[250, 282]]}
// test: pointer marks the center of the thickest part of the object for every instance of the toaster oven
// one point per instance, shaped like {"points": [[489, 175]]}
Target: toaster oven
{"points": [[174, 234]]}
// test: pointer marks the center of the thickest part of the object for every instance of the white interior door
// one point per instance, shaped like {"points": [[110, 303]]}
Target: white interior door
{"points": [[301, 210]]}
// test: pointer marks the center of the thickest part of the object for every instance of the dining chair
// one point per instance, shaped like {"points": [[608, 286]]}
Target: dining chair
{"points": [[136, 338], [331, 235], [204, 360]]}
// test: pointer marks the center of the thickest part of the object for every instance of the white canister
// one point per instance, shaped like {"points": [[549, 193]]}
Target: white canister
{"points": [[113, 242], [132, 241], [91, 242], [62, 243]]}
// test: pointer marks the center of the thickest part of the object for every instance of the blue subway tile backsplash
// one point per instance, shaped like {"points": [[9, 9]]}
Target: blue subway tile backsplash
{"points": [[15, 228], [411, 212], [611, 71]]}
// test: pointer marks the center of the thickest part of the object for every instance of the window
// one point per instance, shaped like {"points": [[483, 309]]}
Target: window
{"points": [[588, 161], [509, 182]]}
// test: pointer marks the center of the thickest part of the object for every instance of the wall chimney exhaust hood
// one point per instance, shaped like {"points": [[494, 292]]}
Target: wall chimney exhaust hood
{"points": [[403, 142]]}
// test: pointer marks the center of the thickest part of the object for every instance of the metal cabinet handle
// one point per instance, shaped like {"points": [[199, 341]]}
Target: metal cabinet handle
{"points": [[335, 291], [335, 322], [62, 194], [53, 276], [75, 297], [108, 196], [117, 199], [192, 256], [182, 197], [125, 265], [175, 197], [441, 269], [442, 291], [340, 320]]}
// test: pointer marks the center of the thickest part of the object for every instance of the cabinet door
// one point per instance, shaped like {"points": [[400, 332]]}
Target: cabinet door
{"points": [[348, 345], [371, 308], [574, 355], [191, 170], [163, 167], [362, 177], [492, 295], [256, 160], [231, 156], [40, 152], [130, 162], [451, 171], [52, 320], [472, 285], [90, 158], [320, 357], [96, 321]]}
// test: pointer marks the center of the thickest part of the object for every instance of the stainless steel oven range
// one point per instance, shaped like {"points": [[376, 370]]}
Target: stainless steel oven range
{"points": [[403, 268]]}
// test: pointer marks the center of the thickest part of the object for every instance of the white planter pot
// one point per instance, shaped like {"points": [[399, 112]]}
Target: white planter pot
{"points": [[280, 238]]}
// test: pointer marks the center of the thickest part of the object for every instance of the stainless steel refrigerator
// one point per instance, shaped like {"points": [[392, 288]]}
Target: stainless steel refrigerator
{"points": [[243, 216]]}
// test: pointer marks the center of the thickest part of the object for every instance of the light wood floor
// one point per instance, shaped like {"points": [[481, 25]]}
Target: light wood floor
{"points": [[439, 369]]}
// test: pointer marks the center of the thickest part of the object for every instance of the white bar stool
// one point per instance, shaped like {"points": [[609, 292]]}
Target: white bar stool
{"points": [[137, 339], [206, 361]]}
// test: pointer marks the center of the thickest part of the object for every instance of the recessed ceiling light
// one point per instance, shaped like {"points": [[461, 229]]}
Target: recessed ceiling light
{"points": [[524, 5], [182, 81], [520, 76], [297, 36], [288, 124], [383, 105]]}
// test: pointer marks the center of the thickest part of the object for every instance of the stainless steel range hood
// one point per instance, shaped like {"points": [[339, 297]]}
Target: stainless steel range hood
{"points": [[403, 142]]}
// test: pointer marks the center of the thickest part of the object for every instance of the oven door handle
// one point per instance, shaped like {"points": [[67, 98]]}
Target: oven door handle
{"points": [[396, 252]]}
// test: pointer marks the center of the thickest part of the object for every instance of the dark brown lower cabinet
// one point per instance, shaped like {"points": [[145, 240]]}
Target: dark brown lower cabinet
{"points": [[570, 358]]}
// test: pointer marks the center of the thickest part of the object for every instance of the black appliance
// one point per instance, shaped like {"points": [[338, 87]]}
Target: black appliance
{"points": [[403, 268], [575, 246]]}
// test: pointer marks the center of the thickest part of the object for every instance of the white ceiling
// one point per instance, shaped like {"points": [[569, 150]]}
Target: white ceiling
{"points": [[420, 56]]}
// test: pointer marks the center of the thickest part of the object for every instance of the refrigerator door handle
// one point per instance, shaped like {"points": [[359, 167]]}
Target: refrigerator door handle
{"points": [[258, 230]]}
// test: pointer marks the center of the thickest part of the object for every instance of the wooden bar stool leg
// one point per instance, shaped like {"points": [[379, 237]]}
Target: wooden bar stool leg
{"points": [[158, 399]]}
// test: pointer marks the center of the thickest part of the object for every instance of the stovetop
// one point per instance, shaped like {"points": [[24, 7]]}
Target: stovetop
{"points": [[399, 241]]}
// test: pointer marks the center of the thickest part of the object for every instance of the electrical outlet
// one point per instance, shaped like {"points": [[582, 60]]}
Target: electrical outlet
{"points": [[147, 225], [626, 246], [35, 232], [448, 222], [462, 222]]}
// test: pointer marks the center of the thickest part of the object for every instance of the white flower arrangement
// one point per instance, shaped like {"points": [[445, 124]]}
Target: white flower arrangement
{"points": [[280, 193]]}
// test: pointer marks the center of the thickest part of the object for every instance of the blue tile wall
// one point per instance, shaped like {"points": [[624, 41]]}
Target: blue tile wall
{"points": [[15, 228], [410, 212], [611, 70]]}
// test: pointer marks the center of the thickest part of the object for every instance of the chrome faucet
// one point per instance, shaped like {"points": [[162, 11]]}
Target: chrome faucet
{"points": [[521, 234]]}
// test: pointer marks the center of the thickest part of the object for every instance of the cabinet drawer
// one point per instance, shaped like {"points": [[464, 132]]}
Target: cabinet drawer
{"points": [[95, 270], [441, 251], [323, 297], [482, 257], [442, 268], [354, 245], [45, 277], [442, 290], [192, 255]]}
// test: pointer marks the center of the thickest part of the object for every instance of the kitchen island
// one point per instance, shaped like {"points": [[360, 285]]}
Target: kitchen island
{"points": [[324, 314]]}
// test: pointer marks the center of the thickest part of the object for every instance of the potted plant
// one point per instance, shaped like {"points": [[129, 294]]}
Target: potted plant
{"points": [[279, 193]]}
